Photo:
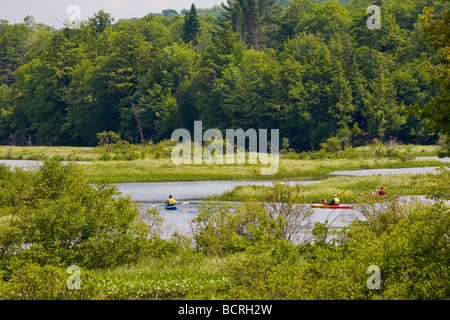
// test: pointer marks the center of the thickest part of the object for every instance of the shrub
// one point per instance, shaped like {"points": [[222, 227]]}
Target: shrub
{"points": [[333, 144], [410, 248], [441, 184], [60, 219], [391, 150], [112, 147], [291, 216], [31, 281], [220, 228], [108, 138], [163, 149]]}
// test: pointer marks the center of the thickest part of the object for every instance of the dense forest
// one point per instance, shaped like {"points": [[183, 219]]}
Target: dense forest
{"points": [[312, 69]]}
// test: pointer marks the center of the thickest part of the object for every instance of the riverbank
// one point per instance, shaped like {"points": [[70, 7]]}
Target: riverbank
{"points": [[163, 150], [150, 168], [396, 184], [163, 170]]}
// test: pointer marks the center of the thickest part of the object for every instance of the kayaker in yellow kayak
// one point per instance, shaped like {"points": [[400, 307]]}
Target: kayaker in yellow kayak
{"points": [[171, 201], [334, 201]]}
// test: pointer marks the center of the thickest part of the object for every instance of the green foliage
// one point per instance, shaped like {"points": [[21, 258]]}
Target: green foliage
{"points": [[163, 149], [254, 21], [320, 233], [332, 145], [169, 13], [191, 26], [31, 281], [436, 35], [311, 69], [285, 207], [55, 218], [112, 147], [59, 219], [107, 137], [391, 149], [410, 249], [100, 21], [222, 229], [441, 184]]}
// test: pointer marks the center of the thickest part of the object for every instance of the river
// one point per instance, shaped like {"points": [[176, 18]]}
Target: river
{"points": [[190, 194]]}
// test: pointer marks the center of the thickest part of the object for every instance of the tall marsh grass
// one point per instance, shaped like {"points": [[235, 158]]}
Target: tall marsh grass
{"points": [[397, 184]]}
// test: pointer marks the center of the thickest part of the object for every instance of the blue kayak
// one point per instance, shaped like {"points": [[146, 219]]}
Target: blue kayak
{"points": [[172, 207]]}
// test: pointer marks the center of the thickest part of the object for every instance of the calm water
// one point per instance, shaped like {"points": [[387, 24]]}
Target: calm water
{"points": [[369, 172], [186, 190], [180, 220], [189, 195], [30, 164]]}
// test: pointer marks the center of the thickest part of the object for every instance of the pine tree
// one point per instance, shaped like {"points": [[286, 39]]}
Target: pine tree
{"points": [[191, 26], [255, 21]]}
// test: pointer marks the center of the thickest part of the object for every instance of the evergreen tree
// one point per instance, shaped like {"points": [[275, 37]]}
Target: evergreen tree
{"points": [[256, 21], [191, 26]]}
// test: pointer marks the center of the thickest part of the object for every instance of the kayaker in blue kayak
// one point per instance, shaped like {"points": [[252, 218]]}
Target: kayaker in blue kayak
{"points": [[171, 201]]}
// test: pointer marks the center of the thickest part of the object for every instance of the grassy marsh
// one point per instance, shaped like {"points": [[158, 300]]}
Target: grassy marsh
{"points": [[396, 184], [44, 152], [148, 170], [154, 163]]}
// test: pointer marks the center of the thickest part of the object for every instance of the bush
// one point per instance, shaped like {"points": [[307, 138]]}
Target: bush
{"points": [[266, 272], [408, 242], [112, 147], [441, 184], [122, 150], [163, 149], [291, 216], [60, 219], [333, 144], [31, 281], [108, 138], [220, 228], [391, 150]]}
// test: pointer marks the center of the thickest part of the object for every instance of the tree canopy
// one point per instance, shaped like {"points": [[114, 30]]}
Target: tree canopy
{"points": [[311, 69]]}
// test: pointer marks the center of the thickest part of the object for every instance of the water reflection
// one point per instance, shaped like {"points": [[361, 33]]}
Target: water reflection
{"points": [[180, 220]]}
